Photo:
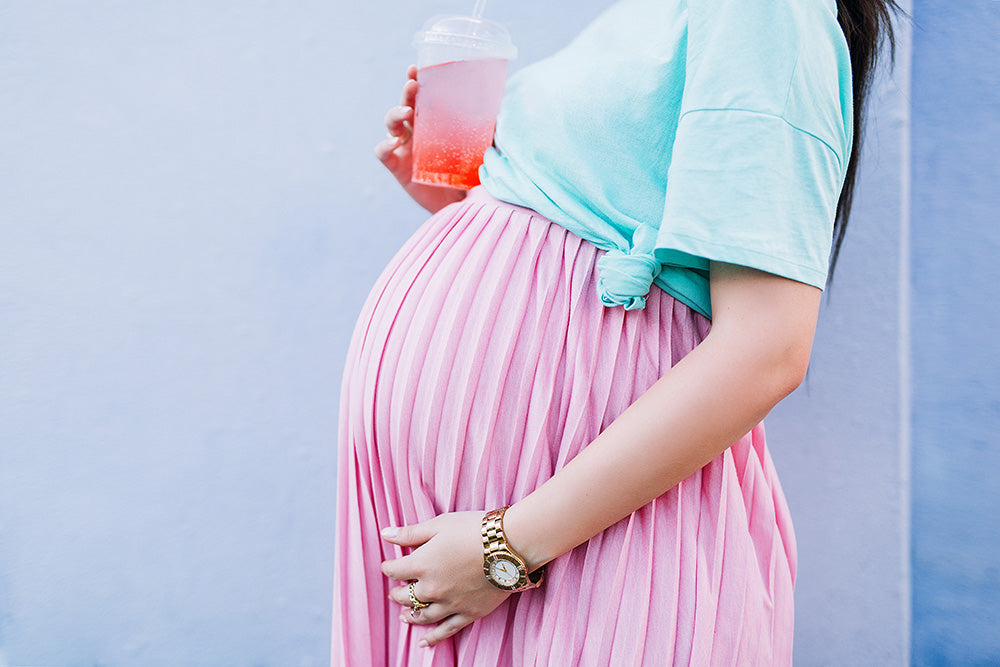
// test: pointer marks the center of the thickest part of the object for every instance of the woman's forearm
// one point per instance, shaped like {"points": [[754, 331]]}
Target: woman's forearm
{"points": [[754, 356]]}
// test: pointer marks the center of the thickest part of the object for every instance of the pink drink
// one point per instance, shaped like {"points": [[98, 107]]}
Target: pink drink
{"points": [[456, 110]]}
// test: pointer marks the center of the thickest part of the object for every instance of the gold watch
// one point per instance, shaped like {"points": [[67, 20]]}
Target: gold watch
{"points": [[503, 566]]}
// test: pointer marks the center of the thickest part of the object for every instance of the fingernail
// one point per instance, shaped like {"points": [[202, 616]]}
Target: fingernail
{"points": [[402, 618], [390, 532], [423, 643]]}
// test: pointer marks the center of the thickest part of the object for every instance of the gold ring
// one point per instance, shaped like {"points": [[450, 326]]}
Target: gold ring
{"points": [[415, 603]]}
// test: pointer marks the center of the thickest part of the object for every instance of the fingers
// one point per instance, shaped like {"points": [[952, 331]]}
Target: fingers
{"points": [[401, 594], [445, 629], [407, 567], [448, 624], [384, 151], [409, 95], [402, 569], [399, 123], [424, 616], [410, 536]]}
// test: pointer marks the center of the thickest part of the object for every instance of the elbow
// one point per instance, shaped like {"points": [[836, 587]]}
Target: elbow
{"points": [[768, 321], [787, 370], [774, 366], [795, 374], [769, 368]]}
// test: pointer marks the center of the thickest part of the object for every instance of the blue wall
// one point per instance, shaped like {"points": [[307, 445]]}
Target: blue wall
{"points": [[955, 320], [190, 218], [167, 386]]}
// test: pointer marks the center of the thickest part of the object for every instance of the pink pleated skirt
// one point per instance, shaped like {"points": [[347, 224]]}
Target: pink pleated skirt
{"points": [[482, 362]]}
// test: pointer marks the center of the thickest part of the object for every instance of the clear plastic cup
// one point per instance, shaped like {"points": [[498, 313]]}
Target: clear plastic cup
{"points": [[461, 69]]}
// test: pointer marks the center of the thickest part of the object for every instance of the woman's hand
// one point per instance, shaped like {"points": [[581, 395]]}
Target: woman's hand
{"points": [[396, 152], [447, 565]]}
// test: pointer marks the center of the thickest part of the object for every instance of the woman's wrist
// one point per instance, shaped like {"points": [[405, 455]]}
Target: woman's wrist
{"points": [[525, 541]]}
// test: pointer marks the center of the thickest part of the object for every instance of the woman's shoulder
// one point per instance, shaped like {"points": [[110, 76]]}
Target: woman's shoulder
{"points": [[785, 58]]}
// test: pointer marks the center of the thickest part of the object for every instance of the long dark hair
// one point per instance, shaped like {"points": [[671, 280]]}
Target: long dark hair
{"points": [[866, 25]]}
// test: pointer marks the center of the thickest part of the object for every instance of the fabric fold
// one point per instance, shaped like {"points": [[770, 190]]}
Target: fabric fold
{"points": [[481, 364], [626, 277]]}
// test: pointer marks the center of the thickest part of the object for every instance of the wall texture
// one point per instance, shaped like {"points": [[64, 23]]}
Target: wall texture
{"points": [[190, 218], [956, 356], [841, 441], [171, 329]]}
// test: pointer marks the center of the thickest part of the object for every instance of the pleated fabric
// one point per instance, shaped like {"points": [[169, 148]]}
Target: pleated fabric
{"points": [[482, 362]]}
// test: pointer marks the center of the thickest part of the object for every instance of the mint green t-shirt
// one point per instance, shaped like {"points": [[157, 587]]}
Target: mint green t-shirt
{"points": [[674, 132]]}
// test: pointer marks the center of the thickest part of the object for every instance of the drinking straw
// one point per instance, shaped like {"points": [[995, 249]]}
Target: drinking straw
{"points": [[480, 8]]}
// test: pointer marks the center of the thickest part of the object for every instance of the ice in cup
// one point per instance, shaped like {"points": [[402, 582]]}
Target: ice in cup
{"points": [[461, 69]]}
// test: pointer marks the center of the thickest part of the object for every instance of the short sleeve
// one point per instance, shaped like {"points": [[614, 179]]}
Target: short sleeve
{"points": [[748, 188], [762, 143]]}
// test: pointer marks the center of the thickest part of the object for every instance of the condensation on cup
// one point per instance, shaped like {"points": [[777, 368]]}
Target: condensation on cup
{"points": [[461, 69]]}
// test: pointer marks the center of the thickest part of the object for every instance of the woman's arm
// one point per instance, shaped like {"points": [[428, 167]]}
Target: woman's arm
{"points": [[755, 354]]}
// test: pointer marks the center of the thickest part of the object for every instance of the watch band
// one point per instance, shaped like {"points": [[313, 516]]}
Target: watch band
{"points": [[495, 546]]}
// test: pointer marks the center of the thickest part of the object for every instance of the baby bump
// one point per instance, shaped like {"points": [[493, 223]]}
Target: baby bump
{"points": [[485, 361]]}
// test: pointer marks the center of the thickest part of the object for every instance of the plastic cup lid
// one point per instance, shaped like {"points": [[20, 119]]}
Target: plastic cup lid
{"points": [[467, 32]]}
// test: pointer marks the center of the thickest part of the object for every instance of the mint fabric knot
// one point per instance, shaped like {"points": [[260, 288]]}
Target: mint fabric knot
{"points": [[625, 279]]}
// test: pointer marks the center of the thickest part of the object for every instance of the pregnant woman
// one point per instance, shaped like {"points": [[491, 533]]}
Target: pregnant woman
{"points": [[551, 440]]}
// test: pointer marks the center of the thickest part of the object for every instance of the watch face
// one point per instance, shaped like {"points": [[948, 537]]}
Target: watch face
{"points": [[504, 572]]}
